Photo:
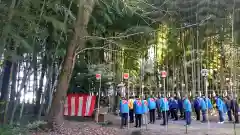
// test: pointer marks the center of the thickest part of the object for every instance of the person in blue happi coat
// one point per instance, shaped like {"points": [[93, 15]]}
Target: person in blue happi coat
{"points": [[208, 102], [138, 110], [220, 108], [159, 112], [197, 107], [152, 109], [170, 102], [203, 106], [180, 107], [188, 110], [124, 110], [164, 108], [145, 111], [173, 107]]}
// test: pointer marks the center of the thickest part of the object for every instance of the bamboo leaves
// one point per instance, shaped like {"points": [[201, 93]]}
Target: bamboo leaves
{"points": [[23, 42], [58, 25]]}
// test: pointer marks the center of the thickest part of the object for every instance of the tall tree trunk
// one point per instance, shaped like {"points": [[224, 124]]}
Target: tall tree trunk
{"points": [[35, 74], [78, 42], [26, 76], [50, 86], [13, 87], [185, 62], [46, 95], [222, 63], [198, 64], [4, 90], [6, 80], [40, 89], [1, 76], [173, 76], [7, 69]]}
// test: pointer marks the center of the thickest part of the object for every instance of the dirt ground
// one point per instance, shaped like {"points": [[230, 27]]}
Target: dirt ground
{"points": [[88, 127]]}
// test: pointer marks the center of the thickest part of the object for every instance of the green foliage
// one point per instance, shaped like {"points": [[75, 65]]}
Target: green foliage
{"points": [[12, 130], [15, 129], [84, 80]]}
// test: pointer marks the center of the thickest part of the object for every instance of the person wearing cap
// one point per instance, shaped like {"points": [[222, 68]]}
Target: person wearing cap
{"points": [[124, 109], [138, 110], [152, 109], [188, 110]]}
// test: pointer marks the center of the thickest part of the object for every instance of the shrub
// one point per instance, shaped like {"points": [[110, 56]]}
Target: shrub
{"points": [[18, 130]]}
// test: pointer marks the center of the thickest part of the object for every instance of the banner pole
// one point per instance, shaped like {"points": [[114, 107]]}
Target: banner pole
{"points": [[99, 90]]}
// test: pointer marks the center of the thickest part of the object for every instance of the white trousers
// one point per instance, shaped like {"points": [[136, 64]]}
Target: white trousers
{"points": [[145, 118]]}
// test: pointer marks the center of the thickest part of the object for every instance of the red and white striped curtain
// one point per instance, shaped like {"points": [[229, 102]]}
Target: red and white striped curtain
{"points": [[79, 105]]}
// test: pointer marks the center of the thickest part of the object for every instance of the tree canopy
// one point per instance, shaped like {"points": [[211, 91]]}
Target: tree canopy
{"points": [[53, 47]]}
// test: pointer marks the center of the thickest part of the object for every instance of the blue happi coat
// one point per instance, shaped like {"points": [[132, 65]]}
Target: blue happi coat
{"points": [[203, 104], [164, 106], [220, 104], [151, 103], [187, 105], [124, 108], [138, 107], [208, 102], [145, 106]]}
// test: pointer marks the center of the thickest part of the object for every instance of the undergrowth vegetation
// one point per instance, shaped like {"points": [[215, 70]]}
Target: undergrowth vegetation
{"points": [[16, 129]]}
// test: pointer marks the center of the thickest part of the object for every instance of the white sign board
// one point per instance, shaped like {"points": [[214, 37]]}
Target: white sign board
{"points": [[204, 72]]}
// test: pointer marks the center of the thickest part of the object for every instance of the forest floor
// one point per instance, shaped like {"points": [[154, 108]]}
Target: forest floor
{"points": [[174, 128]]}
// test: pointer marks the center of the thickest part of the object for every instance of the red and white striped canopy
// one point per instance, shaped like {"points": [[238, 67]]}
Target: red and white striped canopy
{"points": [[79, 105]]}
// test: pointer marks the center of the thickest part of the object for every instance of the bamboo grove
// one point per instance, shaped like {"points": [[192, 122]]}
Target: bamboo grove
{"points": [[51, 47]]}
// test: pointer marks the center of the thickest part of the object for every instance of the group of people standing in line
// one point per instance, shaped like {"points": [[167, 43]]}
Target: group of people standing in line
{"points": [[223, 105], [170, 107]]}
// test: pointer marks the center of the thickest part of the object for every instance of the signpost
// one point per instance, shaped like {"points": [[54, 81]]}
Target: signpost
{"points": [[126, 77], [98, 77], [164, 75], [204, 73]]}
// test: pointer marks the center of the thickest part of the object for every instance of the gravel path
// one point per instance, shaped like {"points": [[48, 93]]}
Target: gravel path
{"points": [[87, 128], [174, 128]]}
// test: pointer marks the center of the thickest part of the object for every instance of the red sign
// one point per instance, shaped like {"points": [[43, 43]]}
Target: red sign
{"points": [[125, 75], [164, 74], [98, 76]]}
